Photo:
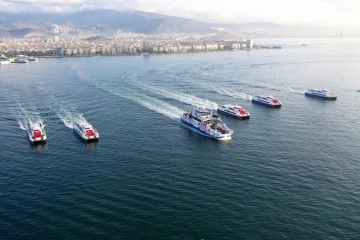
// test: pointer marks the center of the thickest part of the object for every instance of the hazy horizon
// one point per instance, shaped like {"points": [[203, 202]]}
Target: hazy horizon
{"points": [[326, 13]]}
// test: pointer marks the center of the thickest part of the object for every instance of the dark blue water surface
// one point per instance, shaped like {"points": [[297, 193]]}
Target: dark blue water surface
{"points": [[289, 173]]}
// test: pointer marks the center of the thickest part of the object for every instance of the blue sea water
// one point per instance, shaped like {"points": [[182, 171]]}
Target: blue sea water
{"points": [[289, 173]]}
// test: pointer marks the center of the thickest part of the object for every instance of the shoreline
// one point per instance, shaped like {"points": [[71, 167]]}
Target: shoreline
{"points": [[145, 54]]}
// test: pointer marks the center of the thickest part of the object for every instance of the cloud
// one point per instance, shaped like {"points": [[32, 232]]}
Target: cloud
{"points": [[311, 12], [45, 2], [75, 5]]}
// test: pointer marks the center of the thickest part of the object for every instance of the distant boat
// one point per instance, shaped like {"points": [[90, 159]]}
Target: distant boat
{"points": [[36, 133], [234, 111], [268, 101], [32, 59], [3, 62], [21, 60], [325, 94], [358, 90], [86, 131]]}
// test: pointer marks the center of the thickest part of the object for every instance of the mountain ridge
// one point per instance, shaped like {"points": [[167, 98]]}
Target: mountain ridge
{"points": [[107, 22]]}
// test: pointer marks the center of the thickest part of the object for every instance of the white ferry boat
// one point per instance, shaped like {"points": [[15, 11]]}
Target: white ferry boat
{"points": [[269, 101], [325, 94], [206, 123], [36, 133], [21, 60], [234, 111], [86, 131], [32, 59], [3, 62]]}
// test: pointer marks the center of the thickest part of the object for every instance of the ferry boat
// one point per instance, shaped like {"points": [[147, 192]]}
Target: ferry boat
{"points": [[234, 111], [325, 94], [32, 59], [85, 131], [206, 123], [3, 62], [21, 60], [36, 133], [269, 101]]}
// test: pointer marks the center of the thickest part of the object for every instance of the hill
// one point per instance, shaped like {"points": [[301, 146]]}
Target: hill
{"points": [[105, 22]]}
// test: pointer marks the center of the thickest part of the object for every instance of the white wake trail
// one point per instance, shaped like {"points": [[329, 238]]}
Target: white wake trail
{"points": [[179, 96], [68, 117], [27, 117], [227, 92], [294, 90], [148, 102], [233, 93]]}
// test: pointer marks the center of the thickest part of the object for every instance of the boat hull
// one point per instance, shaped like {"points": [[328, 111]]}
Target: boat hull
{"points": [[266, 104], [39, 141], [321, 97], [233, 115], [21, 61], [195, 129]]}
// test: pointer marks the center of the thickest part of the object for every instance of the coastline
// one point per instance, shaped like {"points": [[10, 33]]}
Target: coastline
{"points": [[139, 53]]}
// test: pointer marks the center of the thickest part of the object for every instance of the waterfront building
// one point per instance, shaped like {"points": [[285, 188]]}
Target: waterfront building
{"points": [[249, 44], [124, 43]]}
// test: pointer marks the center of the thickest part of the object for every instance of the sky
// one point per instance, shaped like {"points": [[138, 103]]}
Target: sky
{"points": [[330, 13]]}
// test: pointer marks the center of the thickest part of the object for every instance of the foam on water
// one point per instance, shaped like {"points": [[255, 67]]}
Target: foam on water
{"points": [[277, 87], [294, 90], [151, 103], [227, 92], [179, 96], [146, 101], [234, 94], [68, 117], [27, 117], [282, 88]]}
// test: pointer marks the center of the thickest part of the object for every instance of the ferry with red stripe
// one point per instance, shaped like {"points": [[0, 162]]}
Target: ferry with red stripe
{"points": [[234, 111], [268, 101], [324, 94], [36, 133], [206, 123], [86, 131]]}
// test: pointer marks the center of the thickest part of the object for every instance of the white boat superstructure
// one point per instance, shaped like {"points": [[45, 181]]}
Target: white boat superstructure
{"points": [[21, 60], [86, 131], [234, 111], [324, 93], [4, 60], [208, 124], [36, 133]]}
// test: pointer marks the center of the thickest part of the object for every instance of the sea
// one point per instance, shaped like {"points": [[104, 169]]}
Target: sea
{"points": [[289, 173]]}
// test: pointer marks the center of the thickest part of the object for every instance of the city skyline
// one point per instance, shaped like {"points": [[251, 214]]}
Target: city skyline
{"points": [[329, 13]]}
